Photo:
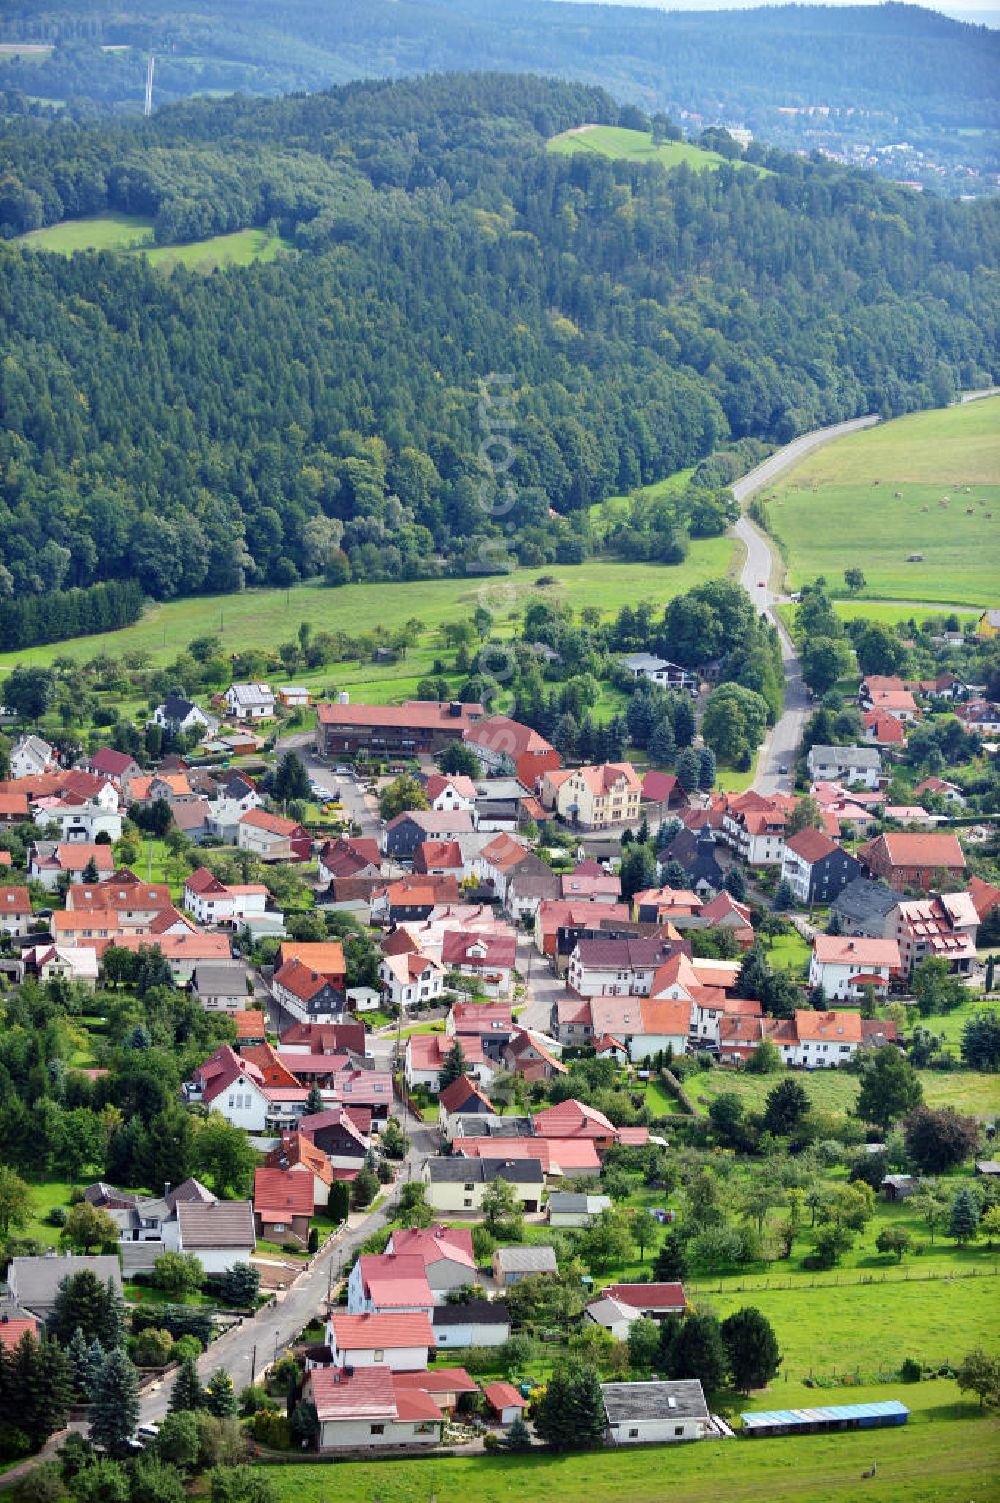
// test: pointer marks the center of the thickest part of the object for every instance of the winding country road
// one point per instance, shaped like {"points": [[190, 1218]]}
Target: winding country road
{"points": [[758, 579]]}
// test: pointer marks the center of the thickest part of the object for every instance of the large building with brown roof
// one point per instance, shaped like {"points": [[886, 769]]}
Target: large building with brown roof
{"points": [[417, 727]]}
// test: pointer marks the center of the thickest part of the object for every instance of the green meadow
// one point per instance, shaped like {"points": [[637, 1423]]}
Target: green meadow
{"points": [[135, 232], [635, 146], [836, 1091], [928, 483], [263, 618]]}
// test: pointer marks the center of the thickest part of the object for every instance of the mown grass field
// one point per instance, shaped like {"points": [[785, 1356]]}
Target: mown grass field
{"points": [[830, 1331], [263, 618], [132, 232], [635, 146], [947, 1453], [876, 496]]}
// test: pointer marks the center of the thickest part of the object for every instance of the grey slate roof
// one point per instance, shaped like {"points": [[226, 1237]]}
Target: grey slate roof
{"points": [[35, 1281], [863, 901], [474, 1312], [526, 1259], [467, 1126], [847, 756], [684, 1399], [220, 978], [219, 1223], [566, 1203], [460, 1171]]}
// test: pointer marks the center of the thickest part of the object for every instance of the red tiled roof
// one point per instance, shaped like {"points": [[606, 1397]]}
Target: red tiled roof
{"points": [[502, 1396], [498, 949], [421, 714], [354, 1333], [279, 1192], [12, 1330], [811, 845], [501, 734]]}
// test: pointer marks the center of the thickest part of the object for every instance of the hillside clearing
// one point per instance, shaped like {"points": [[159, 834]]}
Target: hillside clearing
{"points": [[134, 232], [636, 146], [928, 483]]}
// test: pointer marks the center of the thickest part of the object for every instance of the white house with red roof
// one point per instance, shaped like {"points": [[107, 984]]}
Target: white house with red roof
{"points": [[231, 1085], [500, 742], [347, 857], [426, 1053], [574, 1119], [389, 1283], [307, 994], [215, 902], [397, 1341], [882, 729], [844, 964], [594, 796], [445, 1252], [446, 791], [488, 958], [649, 1301], [366, 1407], [409, 977], [15, 910]]}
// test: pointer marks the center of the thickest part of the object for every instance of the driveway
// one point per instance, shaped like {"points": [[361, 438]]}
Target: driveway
{"points": [[759, 578], [360, 807]]}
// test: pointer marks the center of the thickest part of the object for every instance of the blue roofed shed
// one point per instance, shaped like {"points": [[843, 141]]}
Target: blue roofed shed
{"points": [[832, 1417]]}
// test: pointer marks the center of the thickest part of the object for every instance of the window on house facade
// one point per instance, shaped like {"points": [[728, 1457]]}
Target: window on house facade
{"points": [[378, 1429]]}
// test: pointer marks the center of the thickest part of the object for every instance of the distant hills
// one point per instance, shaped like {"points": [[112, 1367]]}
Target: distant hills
{"points": [[805, 77]]}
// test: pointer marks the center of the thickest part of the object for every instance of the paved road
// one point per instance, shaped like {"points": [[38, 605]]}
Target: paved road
{"points": [[781, 745], [277, 1328]]}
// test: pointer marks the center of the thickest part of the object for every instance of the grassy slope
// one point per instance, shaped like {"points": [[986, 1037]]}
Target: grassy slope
{"points": [[836, 1090], [916, 461], [263, 618], [133, 231], [947, 1453], [634, 146]]}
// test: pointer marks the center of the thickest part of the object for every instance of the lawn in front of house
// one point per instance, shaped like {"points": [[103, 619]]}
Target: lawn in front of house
{"points": [[948, 1453]]}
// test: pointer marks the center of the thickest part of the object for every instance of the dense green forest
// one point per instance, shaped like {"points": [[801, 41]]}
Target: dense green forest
{"points": [[880, 73], [323, 412]]}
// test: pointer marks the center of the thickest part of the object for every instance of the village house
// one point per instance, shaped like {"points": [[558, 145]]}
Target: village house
{"points": [[659, 671], [399, 1342], [389, 1283], [181, 715], [307, 994], [906, 859], [404, 833], [425, 1055], [222, 986], [447, 791], [219, 1232], [463, 1098], [439, 858], [249, 702], [863, 907], [503, 803], [282, 1205], [816, 868], [695, 851], [294, 696], [949, 793], [15, 911], [343, 1134], [408, 976], [212, 901], [512, 1264], [843, 965], [33, 1283], [502, 744], [367, 1408], [616, 967], [479, 1322], [655, 1412], [457, 1185], [347, 858], [527, 1056], [273, 837], [416, 728], [757, 835], [644, 1025], [590, 882], [48, 962], [445, 1252], [297, 1154], [594, 797], [882, 729], [845, 764], [487, 958], [30, 757]]}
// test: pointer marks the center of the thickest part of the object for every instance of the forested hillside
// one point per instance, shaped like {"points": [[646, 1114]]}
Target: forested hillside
{"points": [[801, 76], [321, 413]]}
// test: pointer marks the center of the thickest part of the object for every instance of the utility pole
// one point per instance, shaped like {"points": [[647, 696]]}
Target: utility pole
{"points": [[148, 110]]}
